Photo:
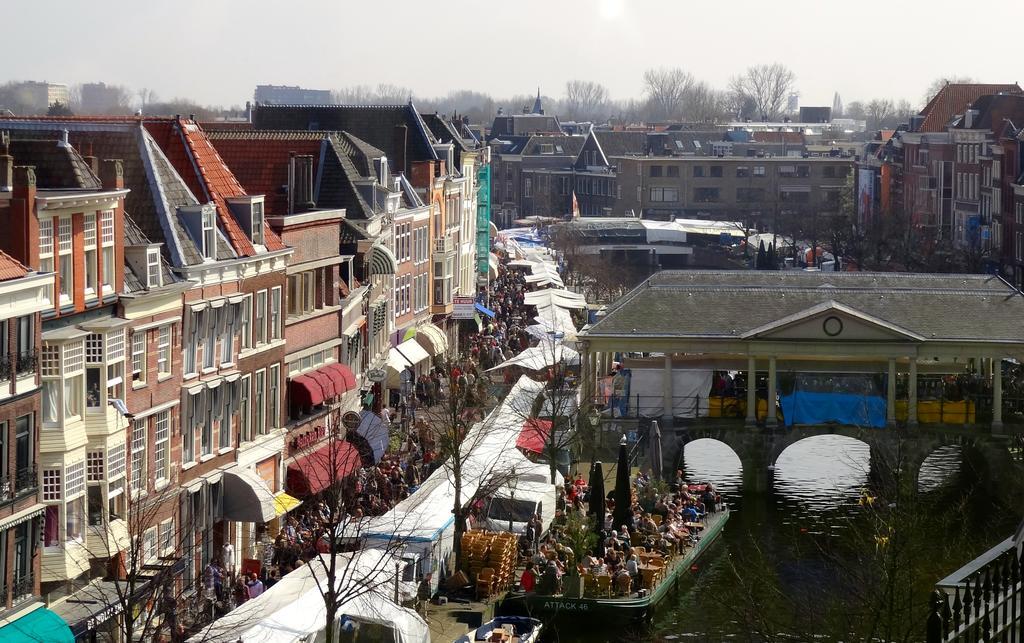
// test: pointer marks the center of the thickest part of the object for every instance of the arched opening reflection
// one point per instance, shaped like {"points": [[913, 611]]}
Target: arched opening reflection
{"points": [[823, 472], [939, 468], [713, 461]]}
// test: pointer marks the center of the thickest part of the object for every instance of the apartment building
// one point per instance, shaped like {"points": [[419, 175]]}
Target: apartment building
{"points": [[24, 294], [751, 189]]}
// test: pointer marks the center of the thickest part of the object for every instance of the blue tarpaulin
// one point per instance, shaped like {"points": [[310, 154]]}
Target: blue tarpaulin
{"points": [[485, 310], [810, 407]]}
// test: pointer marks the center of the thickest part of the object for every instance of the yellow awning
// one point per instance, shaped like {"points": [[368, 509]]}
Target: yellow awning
{"points": [[283, 503]]}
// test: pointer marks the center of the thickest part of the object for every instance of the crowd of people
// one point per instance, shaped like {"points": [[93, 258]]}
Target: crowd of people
{"points": [[664, 523]]}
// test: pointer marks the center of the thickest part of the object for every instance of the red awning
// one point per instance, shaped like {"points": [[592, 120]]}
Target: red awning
{"points": [[534, 435], [344, 379], [306, 392], [325, 381], [316, 471]]}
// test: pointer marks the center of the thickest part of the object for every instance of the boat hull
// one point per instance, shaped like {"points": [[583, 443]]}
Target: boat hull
{"points": [[548, 608]]}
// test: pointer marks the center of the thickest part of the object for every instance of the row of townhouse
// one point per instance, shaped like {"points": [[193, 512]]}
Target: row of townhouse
{"points": [[186, 311], [954, 174]]}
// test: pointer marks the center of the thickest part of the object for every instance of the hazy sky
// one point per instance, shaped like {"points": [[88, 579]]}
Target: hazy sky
{"points": [[216, 51]]}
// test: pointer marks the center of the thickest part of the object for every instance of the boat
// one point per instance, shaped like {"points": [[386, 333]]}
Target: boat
{"points": [[635, 606], [505, 629]]}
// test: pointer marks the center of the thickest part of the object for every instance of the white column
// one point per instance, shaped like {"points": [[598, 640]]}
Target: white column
{"points": [[890, 398], [912, 393], [997, 394], [751, 391], [770, 418], [666, 389]]}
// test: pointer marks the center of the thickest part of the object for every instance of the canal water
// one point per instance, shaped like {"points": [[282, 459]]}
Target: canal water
{"points": [[802, 563]]}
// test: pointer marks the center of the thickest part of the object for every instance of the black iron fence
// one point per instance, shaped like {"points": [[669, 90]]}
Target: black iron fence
{"points": [[18, 483], [18, 364], [981, 601]]}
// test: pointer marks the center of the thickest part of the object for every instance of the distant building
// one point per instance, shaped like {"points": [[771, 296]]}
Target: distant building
{"points": [[291, 95], [36, 97], [100, 98], [815, 114]]}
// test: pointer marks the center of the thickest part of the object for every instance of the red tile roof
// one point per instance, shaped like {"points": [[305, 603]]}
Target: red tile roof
{"points": [[259, 160], [190, 151], [10, 268], [953, 99]]}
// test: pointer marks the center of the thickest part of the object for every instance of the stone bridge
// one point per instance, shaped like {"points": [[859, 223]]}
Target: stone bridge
{"points": [[894, 451]]}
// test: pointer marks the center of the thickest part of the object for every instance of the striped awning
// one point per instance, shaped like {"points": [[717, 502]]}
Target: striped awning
{"points": [[382, 261], [22, 516]]}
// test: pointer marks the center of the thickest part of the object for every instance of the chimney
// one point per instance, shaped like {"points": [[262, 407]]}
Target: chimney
{"points": [[112, 174], [400, 138], [93, 162], [291, 182], [21, 236], [6, 166], [307, 202]]}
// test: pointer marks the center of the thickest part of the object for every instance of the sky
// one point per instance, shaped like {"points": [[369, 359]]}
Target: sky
{"points": [[217, 51]]}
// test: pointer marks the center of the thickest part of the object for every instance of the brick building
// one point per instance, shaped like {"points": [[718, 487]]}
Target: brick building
{"points": [[23, 295]]}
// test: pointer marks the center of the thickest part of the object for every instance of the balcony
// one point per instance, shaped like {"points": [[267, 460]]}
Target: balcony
{"points": [[27, 362], [20, 589], [19, 483], [444, 246]]}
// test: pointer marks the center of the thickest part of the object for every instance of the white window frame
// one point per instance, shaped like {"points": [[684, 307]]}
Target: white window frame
{"points": [[137, 475], [260, 318], [244, 410], [259, 423], [65, 248], [161, 446], [209, 227], [154, 272], [109, 273], [257, 235], [165, 338], [140, 342], [274, 317], [273, 396]]}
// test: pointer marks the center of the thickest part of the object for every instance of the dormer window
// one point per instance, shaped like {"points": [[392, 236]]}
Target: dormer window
{"points": [[385, 173], [209, 238], [248, 211]]}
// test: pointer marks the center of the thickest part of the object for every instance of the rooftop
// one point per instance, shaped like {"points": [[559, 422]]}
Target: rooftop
{"points": [[953, 99], [732, 304]]}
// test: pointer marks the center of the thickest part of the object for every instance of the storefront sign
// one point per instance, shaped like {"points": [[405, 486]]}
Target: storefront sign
{"points": [[376, 375], [309, 438], [351, 420], [465, 307], [483, 218]]}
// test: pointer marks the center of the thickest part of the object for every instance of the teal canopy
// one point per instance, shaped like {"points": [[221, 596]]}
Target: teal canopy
{"points": [[38, 625]]}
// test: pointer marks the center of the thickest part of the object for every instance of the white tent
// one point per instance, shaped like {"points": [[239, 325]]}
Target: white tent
{"points": [[537, 358], [292, 611], [690, 391], [428, 510], [553, 297]]}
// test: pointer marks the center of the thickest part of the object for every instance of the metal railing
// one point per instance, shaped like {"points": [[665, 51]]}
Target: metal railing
{"points": [[981, 601], [18, 483], [19, 590], [27, 362]]}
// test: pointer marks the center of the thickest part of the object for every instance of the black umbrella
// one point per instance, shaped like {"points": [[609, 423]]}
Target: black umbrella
{"points": [[623, 514], [656, 454], [596, 506]]}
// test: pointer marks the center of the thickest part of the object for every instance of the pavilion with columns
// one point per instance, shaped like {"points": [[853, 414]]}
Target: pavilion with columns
{"points": [[899, 326]]}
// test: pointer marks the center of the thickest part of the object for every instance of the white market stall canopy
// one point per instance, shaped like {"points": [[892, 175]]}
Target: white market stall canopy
{"points": [[292, 611], [537, 358], [428, 511], [555, 297]]}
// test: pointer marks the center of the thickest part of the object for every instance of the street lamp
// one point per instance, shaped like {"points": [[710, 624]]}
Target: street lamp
{"points": [[513, 481]]}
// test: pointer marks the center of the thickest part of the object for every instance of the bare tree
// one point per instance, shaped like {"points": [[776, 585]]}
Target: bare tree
{"points": [[878, 112], [705, 104], [585, 100], [388, 94], [767, 86], [467, 446], [138, 540], [666, 88], [942, 81], [146, 97]]}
